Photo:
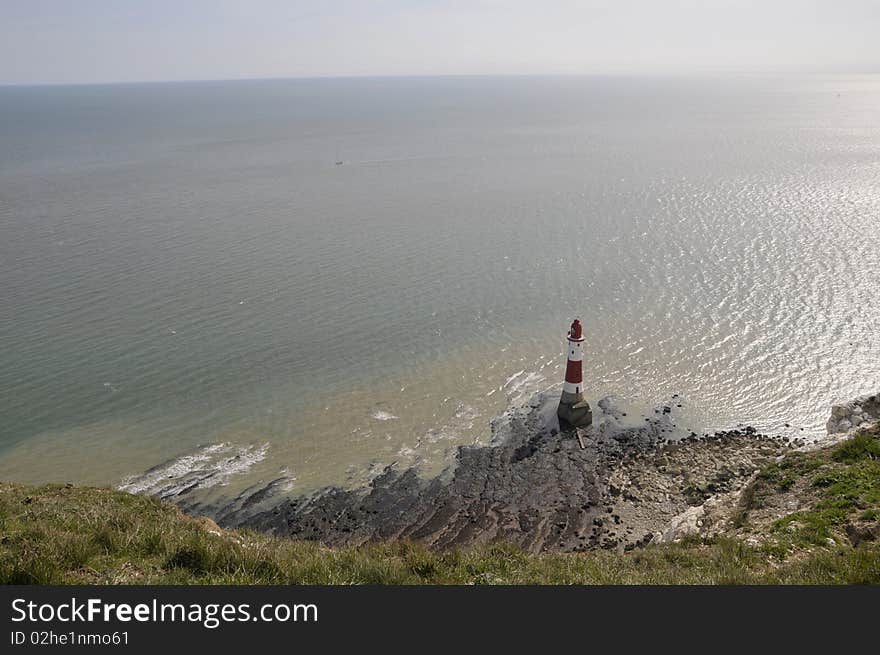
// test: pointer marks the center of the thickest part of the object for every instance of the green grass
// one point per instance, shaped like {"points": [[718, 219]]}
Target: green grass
{"points": [[782, 475], [863, 446], [847, 482], [77, 535]]}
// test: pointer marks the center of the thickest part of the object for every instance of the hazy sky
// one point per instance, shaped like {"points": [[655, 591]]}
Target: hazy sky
{"points": [[48, 41]]}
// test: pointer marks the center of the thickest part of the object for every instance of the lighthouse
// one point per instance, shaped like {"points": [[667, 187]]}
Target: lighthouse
{"points": [[573, 410]]}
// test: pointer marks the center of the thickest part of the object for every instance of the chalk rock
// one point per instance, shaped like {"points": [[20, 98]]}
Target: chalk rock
{"points": [[858, 412], [688, 522]]}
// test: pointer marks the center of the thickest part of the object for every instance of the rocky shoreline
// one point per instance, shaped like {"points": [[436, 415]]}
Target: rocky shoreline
{"points": [[557, 497], [634, 480], [630, 479]]}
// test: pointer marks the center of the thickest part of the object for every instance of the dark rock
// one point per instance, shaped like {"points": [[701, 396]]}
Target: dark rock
{"points": [[861, 533]]}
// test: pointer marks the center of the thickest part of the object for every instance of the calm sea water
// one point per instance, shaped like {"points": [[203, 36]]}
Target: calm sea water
{"points": [[187, 276]]}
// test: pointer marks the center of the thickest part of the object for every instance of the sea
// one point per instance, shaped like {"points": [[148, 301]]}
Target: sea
{"points": [[312, 279]]}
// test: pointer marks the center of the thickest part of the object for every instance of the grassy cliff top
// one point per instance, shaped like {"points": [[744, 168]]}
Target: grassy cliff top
{"points": [[812, 518]]}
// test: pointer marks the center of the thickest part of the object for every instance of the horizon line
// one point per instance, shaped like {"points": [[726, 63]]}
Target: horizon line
{"points": [[621, 73]]}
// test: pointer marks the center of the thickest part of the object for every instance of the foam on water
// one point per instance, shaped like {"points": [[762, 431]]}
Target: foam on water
{"points": [[382, 415], [208, 467]]}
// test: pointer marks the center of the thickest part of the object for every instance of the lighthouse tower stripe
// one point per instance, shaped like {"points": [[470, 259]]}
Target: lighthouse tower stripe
{"points": [[573, 372]]}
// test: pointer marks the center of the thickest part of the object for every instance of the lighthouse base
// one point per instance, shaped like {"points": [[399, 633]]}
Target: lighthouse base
{"points": [[574, 411]]}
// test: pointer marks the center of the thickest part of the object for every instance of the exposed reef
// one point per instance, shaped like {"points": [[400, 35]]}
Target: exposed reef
{"points": [[535, 486]]}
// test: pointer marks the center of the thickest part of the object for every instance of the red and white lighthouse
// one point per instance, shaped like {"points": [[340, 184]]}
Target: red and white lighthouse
{"points": [[573, 410]]}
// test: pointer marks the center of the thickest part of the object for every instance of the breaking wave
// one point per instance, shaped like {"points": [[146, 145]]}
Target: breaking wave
{"points": [[382, 415], [210, 466]]}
